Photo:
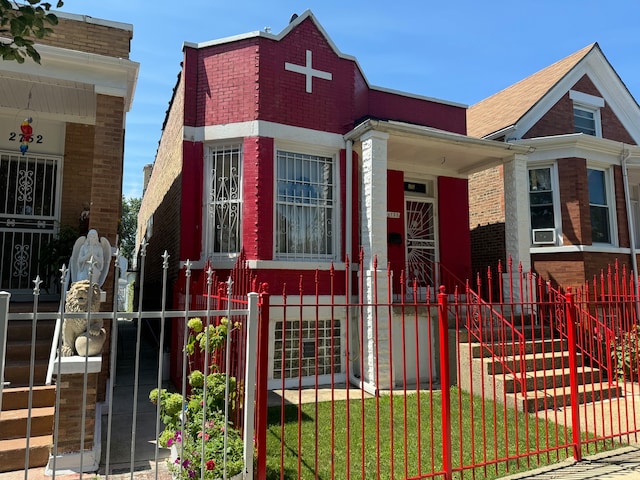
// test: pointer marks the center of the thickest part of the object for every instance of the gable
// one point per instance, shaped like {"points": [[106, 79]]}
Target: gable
{"points": [[505, 108], [297, 78], [559, 119], [534, 100]]}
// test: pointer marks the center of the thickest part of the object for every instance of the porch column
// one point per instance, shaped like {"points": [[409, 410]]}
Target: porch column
{"points": [[517, 236], [373, 234]]}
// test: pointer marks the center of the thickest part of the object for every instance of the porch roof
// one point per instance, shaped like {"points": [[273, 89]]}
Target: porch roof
{"points": [[65, 84], [437, 152]]}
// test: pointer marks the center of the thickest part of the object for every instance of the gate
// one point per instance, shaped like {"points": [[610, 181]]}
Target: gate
{"points": [[141, 423]]}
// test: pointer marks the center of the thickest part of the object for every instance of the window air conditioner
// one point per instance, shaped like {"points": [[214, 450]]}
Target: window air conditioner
{"points": [[544, 236]]}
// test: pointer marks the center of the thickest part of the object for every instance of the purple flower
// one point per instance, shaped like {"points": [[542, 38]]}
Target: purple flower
{"points": [[169, 442]]}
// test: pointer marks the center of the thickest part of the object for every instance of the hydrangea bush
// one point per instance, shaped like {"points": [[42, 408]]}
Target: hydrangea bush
{"points": [[201, 435]]}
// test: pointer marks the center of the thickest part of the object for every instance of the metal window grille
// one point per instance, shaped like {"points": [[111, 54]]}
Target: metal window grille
{"points": [[28, 217], [304, 206], [225, 199]]}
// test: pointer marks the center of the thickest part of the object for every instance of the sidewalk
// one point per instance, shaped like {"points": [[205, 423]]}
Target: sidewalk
{"points": [[623, 463]]}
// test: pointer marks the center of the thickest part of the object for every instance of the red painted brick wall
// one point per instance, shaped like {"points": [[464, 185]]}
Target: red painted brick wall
{"points": [[453, 225], [395, 203], [247, 80], [192, 200], [221, 83], [258, 198]]}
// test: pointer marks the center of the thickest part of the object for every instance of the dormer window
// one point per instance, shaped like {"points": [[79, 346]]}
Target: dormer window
{"points": [[586, 113]]}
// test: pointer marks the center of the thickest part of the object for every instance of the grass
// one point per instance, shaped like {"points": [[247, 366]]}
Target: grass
{"points": [[408, 451]]}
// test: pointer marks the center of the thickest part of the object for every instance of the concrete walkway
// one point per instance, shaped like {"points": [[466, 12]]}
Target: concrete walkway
{"points": [[623, 463]]}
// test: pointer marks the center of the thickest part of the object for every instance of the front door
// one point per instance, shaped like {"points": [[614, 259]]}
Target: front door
{"points": [[29, 211], [421, 241]]}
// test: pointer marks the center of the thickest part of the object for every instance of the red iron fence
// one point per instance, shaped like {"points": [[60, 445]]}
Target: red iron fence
{"points": [[433, 382]]}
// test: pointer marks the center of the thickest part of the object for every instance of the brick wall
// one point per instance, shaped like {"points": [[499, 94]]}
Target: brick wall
{"points": [[78, 152], [575, 268], [162, 200], [574, 201], [168, 163], [257, 220], [559, 119], [87, 34], [70, 412], [486, 197], [487, 247]]}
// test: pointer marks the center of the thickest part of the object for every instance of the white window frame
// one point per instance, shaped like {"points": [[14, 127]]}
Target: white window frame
{"points": [[591, 104], [210, 202], [289, 148], [555, 198], [610, 204]]}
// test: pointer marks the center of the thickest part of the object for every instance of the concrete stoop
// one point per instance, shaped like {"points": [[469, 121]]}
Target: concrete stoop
{"points": [[14, 423], [496, 369]]}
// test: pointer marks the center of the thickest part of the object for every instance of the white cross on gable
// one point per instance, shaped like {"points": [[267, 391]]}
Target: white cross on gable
{"points": [[308, 71]]}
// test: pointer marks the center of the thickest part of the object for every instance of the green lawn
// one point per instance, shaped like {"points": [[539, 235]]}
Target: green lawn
{"points": [[406, 446]]}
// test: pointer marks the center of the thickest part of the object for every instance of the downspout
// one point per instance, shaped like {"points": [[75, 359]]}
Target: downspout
{"points": [[348, 220], [630, 226]]}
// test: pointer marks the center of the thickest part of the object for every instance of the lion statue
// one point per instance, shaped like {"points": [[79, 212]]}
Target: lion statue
{"points": [[78, 338]]}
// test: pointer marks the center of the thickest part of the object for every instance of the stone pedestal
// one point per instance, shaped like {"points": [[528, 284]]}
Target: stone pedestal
{"points": [[71, 384]]}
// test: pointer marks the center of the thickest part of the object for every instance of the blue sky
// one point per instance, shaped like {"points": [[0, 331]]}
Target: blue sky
{"points": [[461, 51]]}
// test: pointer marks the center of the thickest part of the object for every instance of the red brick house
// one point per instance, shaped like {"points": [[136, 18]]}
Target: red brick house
{"points": [[277, 146], [570, 206]]}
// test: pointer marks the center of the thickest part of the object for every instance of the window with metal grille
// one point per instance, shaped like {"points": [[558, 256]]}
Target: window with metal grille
{"points": [[225, 199], [304, 206], [29, 216]]}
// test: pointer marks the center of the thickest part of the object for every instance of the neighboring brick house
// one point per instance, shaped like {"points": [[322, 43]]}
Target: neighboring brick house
{"points": [[569, 207], [276, 145], [77, 100]]}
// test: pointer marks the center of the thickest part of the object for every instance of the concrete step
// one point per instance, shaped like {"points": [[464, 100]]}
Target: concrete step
{"points": [[537, 361], [13, 423], [17, 398], [21, 349], [12, 453], [17, 372], [509, 347], [20, 330], [561, 397], [545, 379]]}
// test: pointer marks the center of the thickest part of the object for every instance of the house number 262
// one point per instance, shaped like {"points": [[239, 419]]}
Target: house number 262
{"points": [[19, 137]]}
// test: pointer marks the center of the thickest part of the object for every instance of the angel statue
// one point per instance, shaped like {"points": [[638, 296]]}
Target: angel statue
{"points": [[90, 253]]}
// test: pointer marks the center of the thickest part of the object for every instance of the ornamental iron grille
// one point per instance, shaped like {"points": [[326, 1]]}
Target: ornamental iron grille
{"points": [[304, 206], [225, 200], [29, 208], [421, 242]]}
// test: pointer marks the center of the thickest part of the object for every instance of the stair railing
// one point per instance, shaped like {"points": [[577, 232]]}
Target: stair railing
{"points": [[64, 280], [594, 337]]}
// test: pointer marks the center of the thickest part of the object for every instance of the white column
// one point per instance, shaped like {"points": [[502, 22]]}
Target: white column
{"points": [[373, 233], [517, 234]]}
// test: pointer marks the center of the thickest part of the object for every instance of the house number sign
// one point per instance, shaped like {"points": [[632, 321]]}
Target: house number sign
{"points": [[46, 136]]}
